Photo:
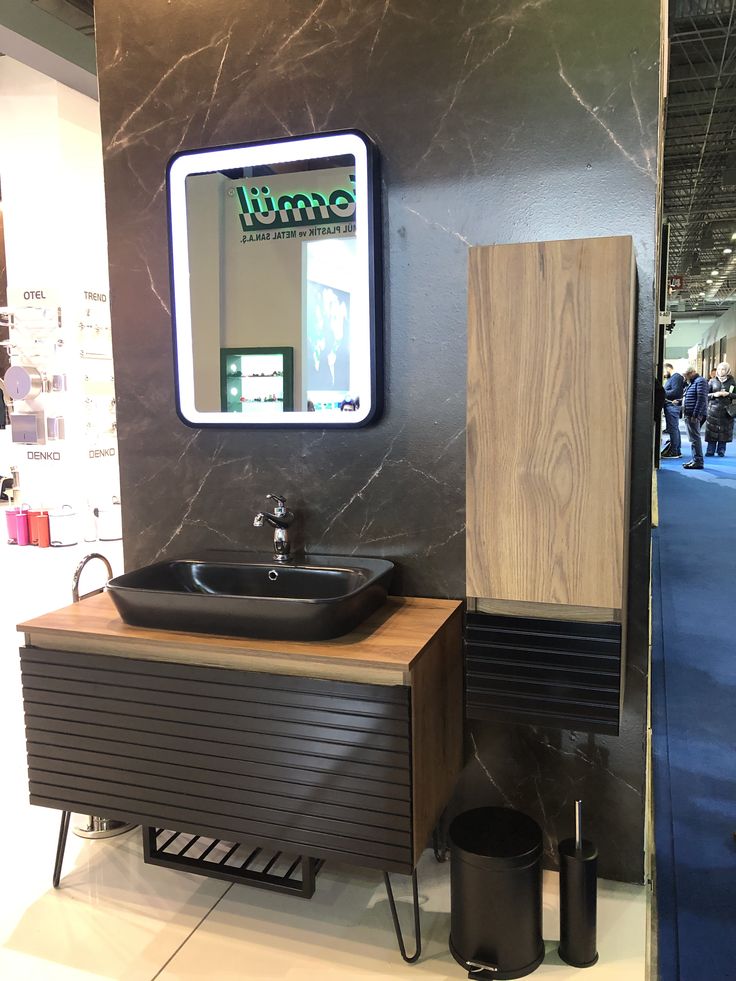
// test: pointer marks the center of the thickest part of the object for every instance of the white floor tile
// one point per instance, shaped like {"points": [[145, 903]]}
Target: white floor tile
{"points": [[345, 931], [113, 916]]}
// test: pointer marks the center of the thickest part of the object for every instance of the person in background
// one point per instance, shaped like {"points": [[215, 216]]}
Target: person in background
{"points": [[659, 404], [719, 424], [695, 409], [712, 374], [674, 388]]}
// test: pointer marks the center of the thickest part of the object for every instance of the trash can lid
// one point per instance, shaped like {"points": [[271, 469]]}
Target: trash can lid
{"points": [[501, 835]]}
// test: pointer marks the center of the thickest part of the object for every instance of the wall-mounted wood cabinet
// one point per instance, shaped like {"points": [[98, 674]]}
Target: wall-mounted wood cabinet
{"points": [[550, 344]]}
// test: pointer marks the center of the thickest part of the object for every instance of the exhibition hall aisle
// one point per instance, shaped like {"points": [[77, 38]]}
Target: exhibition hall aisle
{"points": [[693, 698], [116, 918]]}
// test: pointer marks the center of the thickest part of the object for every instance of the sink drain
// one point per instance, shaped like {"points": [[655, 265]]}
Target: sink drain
{"points": [[273, 575]]}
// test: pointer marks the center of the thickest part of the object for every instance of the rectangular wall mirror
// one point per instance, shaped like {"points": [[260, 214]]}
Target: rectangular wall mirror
{"points": [[276, 286]]}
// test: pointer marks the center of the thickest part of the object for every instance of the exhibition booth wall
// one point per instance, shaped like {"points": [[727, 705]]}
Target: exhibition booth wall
{"points": [[534, 122]]}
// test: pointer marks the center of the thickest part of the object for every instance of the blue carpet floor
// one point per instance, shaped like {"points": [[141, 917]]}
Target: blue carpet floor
{"points": [[694, 719]]}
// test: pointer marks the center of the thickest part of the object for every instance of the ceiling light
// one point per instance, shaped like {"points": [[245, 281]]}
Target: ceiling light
{"points": [[733, 237], [727, 251], [709, 280], [714, 272], [701, 294]]}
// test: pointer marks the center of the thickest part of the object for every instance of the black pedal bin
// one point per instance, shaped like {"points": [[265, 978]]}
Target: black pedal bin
{"points": [[496, 893]]}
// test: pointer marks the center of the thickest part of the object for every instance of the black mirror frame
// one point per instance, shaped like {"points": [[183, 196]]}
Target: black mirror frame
{"points": [[375, 287]]}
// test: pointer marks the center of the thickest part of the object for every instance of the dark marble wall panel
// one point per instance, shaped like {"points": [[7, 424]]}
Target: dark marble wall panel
{"points": [[504, 121]]}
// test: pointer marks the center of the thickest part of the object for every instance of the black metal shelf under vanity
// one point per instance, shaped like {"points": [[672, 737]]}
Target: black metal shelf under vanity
{"points": [[232, 861]]}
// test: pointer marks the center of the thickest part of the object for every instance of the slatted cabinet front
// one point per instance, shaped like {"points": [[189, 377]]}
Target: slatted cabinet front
{"points": [[322, 767]]}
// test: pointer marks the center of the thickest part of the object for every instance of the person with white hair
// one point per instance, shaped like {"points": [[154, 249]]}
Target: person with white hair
{"points": [[721, 410]]}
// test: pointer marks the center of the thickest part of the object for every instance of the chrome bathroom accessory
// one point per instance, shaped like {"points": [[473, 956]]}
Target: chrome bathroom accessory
{"points": [[279, 521], [96, 827], [78, 573]]}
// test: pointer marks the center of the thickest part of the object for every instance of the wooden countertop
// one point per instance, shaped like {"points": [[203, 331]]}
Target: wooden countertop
{"points": [[383, 650]]}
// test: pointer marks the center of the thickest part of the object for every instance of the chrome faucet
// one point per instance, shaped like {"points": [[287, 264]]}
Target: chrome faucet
{"points": [[279, 521]]}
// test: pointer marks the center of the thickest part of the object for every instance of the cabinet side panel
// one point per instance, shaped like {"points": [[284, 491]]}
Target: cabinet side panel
{"points": [[550, 337], [437, 728]]}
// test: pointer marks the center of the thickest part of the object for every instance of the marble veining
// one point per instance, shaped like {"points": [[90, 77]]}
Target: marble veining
{"points": [[508, 121], [466, 75], [595, 113]]}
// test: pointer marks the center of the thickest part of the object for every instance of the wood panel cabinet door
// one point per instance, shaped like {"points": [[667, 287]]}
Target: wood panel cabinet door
{"points": [[550, 346]]}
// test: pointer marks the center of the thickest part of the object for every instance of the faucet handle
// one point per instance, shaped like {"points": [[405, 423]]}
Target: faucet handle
{"points": [[280, 502]]}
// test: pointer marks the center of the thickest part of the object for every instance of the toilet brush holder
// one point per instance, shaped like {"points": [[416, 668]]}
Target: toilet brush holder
{"points": [[578, 899]]}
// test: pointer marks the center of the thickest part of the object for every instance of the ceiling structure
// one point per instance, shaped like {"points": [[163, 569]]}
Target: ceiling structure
{"points": [[78, 14], [700, 154], [54, 37]]}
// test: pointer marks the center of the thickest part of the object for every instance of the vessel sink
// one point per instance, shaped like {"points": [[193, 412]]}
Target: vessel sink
{"points": [[318, 597]]}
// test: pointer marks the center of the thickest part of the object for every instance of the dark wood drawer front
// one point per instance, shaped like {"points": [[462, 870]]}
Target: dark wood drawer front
{"points": [[299, 763]]}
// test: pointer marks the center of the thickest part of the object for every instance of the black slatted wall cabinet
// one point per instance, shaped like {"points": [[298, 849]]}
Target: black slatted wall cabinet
{"points": [[543, 672]]}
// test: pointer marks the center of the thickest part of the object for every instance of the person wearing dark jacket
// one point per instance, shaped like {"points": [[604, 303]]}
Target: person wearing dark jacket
{"points": [[695, 409], [719, 424], [659, 401], [674, 388]]}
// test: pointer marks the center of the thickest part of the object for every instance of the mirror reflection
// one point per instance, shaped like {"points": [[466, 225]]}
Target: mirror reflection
{"points": [[272, 258]]}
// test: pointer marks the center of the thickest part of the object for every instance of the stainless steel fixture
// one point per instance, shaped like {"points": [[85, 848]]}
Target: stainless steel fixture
{"points": [[96, 827], [24, 381], [80, 568], [279, 521]]}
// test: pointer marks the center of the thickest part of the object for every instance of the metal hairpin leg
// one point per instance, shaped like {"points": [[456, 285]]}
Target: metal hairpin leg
{"points": [[439, 843], [63, 831], [395, 917]]}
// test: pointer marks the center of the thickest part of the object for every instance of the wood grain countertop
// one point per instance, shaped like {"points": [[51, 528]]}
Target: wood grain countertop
{"points": [[382, 650]]}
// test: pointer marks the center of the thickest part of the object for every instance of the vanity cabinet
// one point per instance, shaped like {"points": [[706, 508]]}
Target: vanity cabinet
{"points": [[344, 750]]}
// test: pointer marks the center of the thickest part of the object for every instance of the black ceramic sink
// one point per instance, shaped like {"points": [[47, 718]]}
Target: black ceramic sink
{"points": [[318, 597]]}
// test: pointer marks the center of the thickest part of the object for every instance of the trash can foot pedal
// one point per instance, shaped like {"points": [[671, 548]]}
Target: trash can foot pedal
{"points": [[478, 969]]}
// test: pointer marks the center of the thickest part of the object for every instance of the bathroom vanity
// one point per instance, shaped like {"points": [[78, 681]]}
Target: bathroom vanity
{"points": [[345, 749]]}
